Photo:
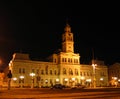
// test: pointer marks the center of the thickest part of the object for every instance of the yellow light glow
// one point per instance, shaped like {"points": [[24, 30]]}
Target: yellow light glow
{"points": [[88, 80], [32, 74], [14, 78], [101, 79], [73, 79], [21, 77], [94, 65], [57, 80], [82, 78], [66, 79]]}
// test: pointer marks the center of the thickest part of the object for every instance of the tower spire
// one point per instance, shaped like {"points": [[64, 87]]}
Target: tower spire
{"points": [[67, 27]]}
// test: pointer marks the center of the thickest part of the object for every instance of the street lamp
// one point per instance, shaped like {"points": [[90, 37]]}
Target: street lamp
{"points": [[57, 80], [21, 80], [88, 82], [66, 80], [101, 82], [14, 79], [115, 81], [94, 78], [82, 80], [73, 81], [32, 75]]}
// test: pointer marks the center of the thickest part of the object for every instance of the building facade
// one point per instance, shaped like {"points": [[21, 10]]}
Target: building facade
{"points": [[114, 74], [63, 67]]}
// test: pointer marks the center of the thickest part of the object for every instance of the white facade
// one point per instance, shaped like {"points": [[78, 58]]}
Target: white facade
{"points": [[63, 67]]}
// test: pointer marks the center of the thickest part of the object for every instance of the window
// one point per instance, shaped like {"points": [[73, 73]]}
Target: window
{"points": [[80, 73], [87, 74], [70, 72], [33, 70], [46, 69], [37, 71], [51, 81], [23, 70], [62, 59], [76, 72], [68, 59], [51, 72], [75, 60], [42, 81], [55, 72], [65, 60], [64, 71], [38, 78], [55, 60], [42, 72], [84, 74], [19, 70]]}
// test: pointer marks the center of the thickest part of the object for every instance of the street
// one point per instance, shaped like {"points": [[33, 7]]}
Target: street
{"points": [[44, 93]]}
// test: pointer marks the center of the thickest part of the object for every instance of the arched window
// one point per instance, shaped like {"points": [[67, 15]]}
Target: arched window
{"points": [[70, 72], [64, 71], [76, 72]]}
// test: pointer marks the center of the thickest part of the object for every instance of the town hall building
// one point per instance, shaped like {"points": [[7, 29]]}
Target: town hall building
{"points": [[63, 67]]}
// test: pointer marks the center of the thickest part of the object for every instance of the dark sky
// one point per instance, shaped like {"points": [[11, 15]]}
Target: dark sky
{"points": [[36, 27]]}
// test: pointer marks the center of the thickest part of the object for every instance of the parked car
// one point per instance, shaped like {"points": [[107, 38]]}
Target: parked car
{"points": [[58, 86], [78, 85]]}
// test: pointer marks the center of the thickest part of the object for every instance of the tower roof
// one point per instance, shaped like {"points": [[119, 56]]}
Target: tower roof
{"points": [[67, 28], [20, 56]]}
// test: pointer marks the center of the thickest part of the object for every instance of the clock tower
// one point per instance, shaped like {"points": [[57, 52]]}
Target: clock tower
{"points": [[67, 40]]}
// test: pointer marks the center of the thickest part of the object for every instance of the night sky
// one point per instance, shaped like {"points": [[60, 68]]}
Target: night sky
{"points": [[36, 27]]}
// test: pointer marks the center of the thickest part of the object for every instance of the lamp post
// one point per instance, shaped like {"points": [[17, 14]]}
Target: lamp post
{"points": [[88, 82], [73, 81], [94, 78], [66, 80], [115, 81], [57, 80], [82, 80], [21, 81], [14, 79], [101, 82], [32, 75]]}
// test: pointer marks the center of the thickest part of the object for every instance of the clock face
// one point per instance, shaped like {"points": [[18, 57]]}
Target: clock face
{"points": [[69, 47], [69, 34]]}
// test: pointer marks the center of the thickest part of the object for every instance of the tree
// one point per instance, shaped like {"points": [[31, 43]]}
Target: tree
{"points": [[9, 75]]}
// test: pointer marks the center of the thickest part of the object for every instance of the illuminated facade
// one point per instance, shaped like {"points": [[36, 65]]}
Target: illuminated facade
{"points": [[114, 74], [63, 67]]}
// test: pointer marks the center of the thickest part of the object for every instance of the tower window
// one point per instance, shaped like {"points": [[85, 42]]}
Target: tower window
{"points": [[19, 70], [23, 70]]}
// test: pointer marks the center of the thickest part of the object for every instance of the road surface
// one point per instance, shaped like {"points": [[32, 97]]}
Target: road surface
{"points": [[46, 93]]}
